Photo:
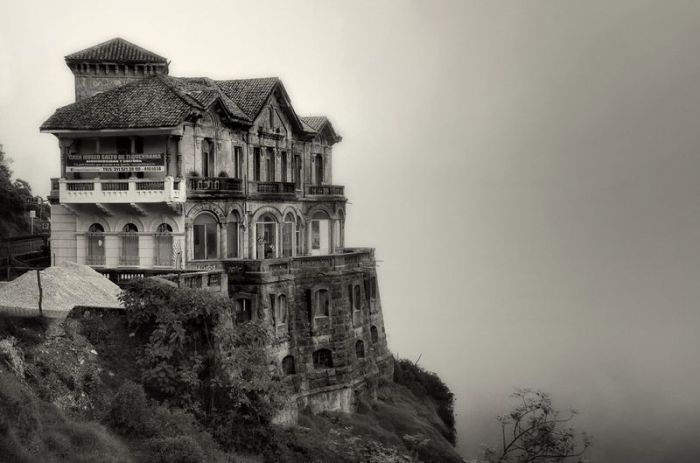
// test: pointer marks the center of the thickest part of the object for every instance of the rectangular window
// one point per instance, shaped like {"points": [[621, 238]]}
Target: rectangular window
{"points": [[237, 161], [211, 241], [270, 165], [283, 167], [256, 164]]}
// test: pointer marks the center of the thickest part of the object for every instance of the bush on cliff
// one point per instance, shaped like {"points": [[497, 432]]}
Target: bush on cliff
{"points": [[427, 384], [195, 357]]}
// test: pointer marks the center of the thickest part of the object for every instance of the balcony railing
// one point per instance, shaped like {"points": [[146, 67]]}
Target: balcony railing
{"points": [[325, 190], [351, 258], [209, 184], [273, 188], [131, 190]]}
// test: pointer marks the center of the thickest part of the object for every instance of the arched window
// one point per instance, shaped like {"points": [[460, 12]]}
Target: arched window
{"points": [[233, 235], [266, 237], [244, 310], [319, 169], [358, 297], [374, 334], [164, 245], [323, 358], [129, 254], [350, 297], [95, 245], [320, 223], [281, 315], [323, 303], [205, 237], [360, 349], [288, 365], [287, 235]]}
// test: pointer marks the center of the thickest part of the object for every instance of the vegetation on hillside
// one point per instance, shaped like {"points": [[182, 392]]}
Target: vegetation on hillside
{"points": [[176, 380]]}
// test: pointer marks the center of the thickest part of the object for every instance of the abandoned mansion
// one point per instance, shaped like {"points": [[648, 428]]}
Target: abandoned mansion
{"points": [[219, 184]]}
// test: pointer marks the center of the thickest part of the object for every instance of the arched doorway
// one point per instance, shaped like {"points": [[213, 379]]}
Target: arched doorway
{"points": [[233, 242], [266, 237], [164, 245], [288, 235], [95, 245], [129, 254], [205, 237], [320, 234]]}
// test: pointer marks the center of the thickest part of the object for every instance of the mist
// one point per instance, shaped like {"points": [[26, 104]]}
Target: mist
{"points": [[527, 171]]}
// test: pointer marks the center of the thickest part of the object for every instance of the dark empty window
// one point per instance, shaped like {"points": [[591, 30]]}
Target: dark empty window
{"points": [[138, 145], [123, 145], [374, 334], [256, 164], [350, 295], [358, 297], [323, 358], [281, 309], [244, 310], [288, 365], [323, 303], [360, 349]]}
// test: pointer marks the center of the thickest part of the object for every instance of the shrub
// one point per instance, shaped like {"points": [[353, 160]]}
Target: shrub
{"points": [[129, 413], [181, 449], [425, 383]]}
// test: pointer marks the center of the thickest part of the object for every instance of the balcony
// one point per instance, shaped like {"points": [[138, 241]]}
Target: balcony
{"points": [[350, 258], [285, 189], [214, 186], [166, 190], [325, 190]]}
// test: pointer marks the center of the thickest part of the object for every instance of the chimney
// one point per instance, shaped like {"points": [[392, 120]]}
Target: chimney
{"points": [[112, 64]]}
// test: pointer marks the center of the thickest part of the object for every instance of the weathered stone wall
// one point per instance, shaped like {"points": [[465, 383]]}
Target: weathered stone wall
{"points": [[307, 330]]}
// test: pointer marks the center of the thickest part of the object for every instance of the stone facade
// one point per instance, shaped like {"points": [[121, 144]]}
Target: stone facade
{"points": [[243, 198]]}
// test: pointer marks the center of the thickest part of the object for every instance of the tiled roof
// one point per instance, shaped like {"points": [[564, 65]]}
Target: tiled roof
{"points": [[158, 101], [204, 91], [315, 122], [117, 50], [142, 104], [319, 123], [249, 94]]}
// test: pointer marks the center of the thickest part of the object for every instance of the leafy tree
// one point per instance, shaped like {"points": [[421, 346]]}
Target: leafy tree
{"points": [[13, 197], [196, 357], [535, 432]]}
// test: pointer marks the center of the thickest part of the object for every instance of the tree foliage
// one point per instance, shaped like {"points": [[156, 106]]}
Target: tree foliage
{"points": [[536, 432], [196, 357], [13, 197]]}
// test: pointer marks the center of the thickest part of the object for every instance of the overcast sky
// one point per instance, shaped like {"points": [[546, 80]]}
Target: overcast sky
{"points": [[528, 172]]}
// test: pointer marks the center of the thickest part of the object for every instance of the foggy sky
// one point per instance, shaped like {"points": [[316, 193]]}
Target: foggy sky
{"points": [[528, 172]]}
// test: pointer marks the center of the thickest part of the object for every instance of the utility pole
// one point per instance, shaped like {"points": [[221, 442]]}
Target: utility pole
{"points": [[41, 292]]}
